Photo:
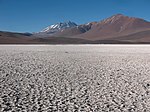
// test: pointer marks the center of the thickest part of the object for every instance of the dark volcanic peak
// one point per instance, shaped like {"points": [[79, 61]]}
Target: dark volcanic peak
{"points": [[80, 29], [58, 27]]}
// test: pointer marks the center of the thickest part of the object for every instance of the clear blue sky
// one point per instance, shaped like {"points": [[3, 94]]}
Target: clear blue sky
{"points": [[34, 15]]}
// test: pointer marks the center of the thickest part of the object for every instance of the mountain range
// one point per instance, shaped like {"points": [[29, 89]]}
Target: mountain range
{"points": [[117, 29]]}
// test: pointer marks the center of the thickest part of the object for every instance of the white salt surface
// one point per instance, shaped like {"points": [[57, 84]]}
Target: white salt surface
{"points": [[75, 78]]}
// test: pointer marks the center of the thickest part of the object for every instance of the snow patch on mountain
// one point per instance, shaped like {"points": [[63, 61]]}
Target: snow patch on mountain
{"points": [[58, 27]]}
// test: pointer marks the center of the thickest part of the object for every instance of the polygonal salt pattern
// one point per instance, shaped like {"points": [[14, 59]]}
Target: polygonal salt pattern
{"points": [[74, 78]]}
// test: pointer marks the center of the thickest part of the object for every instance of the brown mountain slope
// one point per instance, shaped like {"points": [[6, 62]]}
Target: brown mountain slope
{"points": [[117, 25], [143, 36]]}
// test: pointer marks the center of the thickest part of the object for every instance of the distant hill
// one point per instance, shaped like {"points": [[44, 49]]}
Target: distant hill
{"points": [[55, 28], [23, 38]]}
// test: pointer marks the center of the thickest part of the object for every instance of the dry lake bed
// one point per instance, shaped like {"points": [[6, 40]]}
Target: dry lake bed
{"points": [[74, 78]]}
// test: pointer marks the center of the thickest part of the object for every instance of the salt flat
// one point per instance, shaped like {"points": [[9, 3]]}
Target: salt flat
{"points": [[75, 78]]}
